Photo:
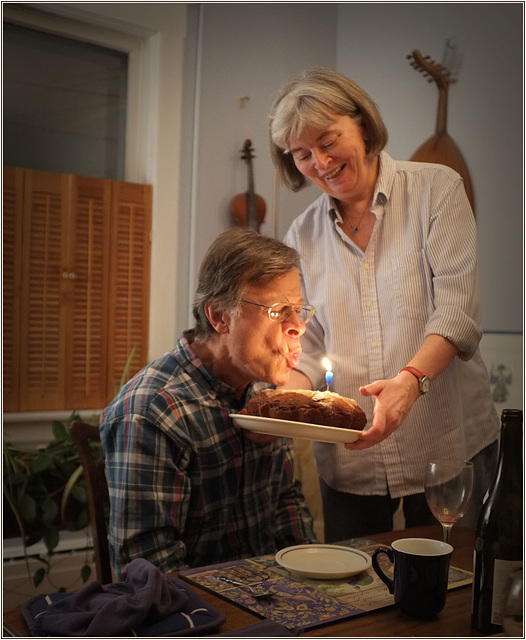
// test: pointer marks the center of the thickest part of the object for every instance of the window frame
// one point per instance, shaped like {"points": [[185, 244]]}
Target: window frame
{"points": [[140, 47]]}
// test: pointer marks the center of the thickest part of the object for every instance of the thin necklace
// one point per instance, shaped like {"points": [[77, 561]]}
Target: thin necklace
{"points": [[367, 206]]}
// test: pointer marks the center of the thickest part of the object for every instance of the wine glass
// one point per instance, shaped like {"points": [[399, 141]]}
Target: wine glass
{"points": [[448, 488]]}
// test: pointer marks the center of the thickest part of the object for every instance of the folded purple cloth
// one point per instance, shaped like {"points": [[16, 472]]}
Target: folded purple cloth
{"points": [[147, 603]]}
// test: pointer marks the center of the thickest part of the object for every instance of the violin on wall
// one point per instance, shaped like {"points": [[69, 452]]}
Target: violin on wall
{"points": [[248, 209]]}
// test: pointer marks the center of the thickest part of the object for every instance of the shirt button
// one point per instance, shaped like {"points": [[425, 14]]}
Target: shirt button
{"points": [[369, 303], [374, 344], [366, 266]]}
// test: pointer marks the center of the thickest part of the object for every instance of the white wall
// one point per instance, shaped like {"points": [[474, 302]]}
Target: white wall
{"points": [[246, 50]]}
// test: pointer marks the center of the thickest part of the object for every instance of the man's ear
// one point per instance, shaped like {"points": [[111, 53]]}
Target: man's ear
{"points": [[218, 318]]}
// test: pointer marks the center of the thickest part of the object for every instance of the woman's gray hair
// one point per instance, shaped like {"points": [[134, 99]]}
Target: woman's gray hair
{"points": [[237, 258], [312, 100]]}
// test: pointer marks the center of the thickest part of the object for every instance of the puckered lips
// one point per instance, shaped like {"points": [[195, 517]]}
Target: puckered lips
{"points": [[293, 358]]}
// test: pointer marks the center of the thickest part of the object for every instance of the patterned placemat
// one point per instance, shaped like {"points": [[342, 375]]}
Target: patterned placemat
{"points": [[301, 603]]}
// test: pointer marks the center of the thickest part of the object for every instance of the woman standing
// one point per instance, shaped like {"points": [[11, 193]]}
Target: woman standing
{"points": [[389, 260]]}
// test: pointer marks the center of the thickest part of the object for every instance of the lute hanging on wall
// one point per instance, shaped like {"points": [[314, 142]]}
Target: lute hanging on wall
{"points": [[248, 209], [440, 148]]}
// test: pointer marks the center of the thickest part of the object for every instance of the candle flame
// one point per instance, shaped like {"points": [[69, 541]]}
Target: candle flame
{"points": [[328, 373]]}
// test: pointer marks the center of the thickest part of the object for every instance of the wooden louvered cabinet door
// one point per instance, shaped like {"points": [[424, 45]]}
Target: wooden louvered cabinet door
{"points": [[43, 329], [76, 288], [88, 302], [129, 279]]}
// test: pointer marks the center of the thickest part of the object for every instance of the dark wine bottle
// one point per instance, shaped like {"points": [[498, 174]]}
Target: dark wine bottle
{"points": [[498, 542]]}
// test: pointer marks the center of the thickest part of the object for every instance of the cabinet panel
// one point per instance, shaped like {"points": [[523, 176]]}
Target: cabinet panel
{"points": [[88, 304], [43, 316], [130, 279]]}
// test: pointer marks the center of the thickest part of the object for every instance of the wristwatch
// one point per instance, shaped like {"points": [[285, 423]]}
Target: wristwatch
{"points": [[424, 383]]}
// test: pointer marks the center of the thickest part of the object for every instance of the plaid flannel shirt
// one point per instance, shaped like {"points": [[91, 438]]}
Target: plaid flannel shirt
{"points": [[187, 487]]}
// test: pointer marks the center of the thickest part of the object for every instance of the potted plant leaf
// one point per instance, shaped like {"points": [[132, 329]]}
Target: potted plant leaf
{"points": [[44, 493]]}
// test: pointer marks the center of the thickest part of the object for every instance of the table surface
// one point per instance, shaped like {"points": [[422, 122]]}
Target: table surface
{"points": [[453, 621]]}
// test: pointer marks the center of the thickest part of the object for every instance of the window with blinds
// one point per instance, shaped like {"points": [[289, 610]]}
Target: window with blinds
{"points": [[64, 104]]}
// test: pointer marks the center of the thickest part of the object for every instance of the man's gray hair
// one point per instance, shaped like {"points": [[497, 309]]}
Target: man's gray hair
{"points": [[237, 258]]}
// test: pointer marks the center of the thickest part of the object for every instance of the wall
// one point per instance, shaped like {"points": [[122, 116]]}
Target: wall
{"points": [[74, 550], [243, 50]]}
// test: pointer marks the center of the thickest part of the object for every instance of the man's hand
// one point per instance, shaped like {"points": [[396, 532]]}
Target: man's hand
{"points": [[255, 437], [260, 437]]}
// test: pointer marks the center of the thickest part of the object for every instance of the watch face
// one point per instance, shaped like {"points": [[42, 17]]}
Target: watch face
{"points": [[425, 384]]}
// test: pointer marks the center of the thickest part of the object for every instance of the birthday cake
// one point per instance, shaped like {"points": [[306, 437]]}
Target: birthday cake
{"points": [[315, 407]]}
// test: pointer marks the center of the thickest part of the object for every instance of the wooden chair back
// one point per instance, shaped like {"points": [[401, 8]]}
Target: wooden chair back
{"points": [[98, 496]]}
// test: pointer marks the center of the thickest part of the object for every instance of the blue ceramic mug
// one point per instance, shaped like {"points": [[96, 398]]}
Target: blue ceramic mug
{"points": [[421, 567]]}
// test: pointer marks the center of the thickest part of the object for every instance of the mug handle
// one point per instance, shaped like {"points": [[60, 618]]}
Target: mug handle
{"points": [[389, 553]]}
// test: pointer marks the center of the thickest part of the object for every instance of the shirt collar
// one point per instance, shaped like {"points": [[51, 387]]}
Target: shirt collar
{"points": [[386, 176], [193, 362], [382, 189]]}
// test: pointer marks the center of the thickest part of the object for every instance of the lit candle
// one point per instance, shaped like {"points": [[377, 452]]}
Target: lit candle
{"points": [[328, 373]]}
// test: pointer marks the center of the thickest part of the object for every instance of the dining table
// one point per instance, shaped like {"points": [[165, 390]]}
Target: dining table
{"points": [[453, 621]]}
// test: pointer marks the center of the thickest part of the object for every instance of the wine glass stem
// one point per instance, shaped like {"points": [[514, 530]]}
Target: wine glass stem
{"points": [[447, 532]]}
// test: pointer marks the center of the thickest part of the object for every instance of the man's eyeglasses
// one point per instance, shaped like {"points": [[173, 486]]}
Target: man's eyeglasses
{"points": [[280, 311]]}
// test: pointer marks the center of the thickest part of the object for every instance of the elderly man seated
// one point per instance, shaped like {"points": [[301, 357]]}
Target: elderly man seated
{"points": [[187, 487]]}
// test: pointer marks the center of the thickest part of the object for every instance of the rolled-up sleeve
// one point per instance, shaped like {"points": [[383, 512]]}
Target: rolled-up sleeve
{"points": [[451, 250]]}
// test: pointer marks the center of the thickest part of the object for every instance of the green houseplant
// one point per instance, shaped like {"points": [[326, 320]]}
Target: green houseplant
{"points": [[45, 493]]}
